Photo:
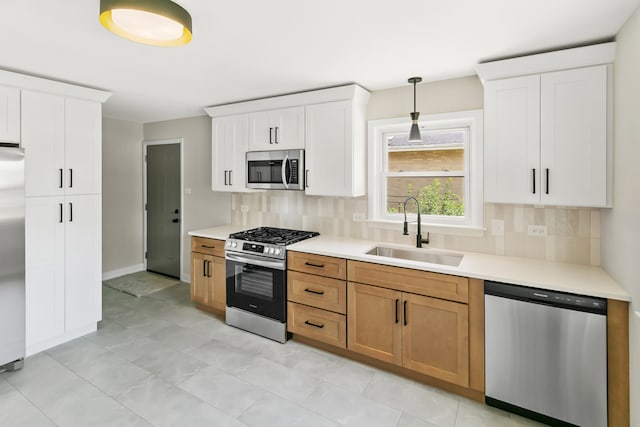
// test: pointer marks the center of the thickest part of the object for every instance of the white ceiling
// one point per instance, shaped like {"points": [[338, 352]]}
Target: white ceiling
{"points": [[256, 48]]}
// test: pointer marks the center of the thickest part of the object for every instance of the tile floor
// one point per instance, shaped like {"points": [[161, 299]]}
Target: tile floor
{"points": [[158, 361]]}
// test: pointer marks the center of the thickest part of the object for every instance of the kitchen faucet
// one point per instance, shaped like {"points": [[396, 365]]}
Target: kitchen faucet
{"points": [[419, 239]]}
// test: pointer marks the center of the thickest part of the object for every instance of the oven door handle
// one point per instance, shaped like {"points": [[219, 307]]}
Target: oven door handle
{"points": [[285, 181], [254, 260]]}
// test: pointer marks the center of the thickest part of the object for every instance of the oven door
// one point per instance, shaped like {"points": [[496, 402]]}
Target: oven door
{"points": [[257, 284]]}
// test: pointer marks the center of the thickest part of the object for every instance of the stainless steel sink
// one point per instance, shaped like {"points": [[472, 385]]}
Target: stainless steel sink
{"points": [[423, 255]]}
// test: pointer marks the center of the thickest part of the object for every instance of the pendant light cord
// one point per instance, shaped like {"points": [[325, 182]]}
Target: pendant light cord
{"points": [[414, 96]]}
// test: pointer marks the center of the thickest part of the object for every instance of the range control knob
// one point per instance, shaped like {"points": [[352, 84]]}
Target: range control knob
{"points": [[277, 251]]}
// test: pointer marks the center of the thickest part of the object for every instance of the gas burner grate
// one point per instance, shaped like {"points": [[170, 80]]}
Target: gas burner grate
{"points": [[273, 235]]}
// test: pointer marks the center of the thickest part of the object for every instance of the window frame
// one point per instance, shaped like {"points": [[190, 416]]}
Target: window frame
{"points": [[473, 150]]}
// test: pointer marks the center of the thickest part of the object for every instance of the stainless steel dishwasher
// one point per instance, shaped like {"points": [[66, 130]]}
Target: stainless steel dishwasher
{"points": [[546, 355]]}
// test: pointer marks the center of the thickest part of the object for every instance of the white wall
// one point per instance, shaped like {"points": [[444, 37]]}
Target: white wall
{"points": [[122, 244], [620, 226], [202, 207]]}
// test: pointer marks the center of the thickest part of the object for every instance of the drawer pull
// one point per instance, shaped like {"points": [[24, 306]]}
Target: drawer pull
{"points": [[207, 247], [310, 264], [311, 291], [315, 325]]}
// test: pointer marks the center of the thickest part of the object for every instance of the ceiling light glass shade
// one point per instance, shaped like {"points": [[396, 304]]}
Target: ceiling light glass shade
{"points": [[414, 133], [153, 22]]}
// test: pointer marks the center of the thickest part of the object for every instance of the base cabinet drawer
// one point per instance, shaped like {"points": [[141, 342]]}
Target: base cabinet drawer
{"points": [[320, 325], [316, 291], [207, 246], [317, 264]]}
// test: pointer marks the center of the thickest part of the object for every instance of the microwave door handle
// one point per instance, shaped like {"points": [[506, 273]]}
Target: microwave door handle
{"points": [[284, 171]]}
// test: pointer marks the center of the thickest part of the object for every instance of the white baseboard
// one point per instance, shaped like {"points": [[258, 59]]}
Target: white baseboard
{"points": [[186, 278], [122, 271]]}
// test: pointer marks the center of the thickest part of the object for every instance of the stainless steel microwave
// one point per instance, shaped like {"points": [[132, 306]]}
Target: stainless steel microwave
{"points": [[276, 170]]}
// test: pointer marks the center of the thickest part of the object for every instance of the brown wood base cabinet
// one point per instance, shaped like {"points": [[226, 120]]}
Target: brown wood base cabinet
{"points": [[422, 333], [317, 297], [208, 277]]}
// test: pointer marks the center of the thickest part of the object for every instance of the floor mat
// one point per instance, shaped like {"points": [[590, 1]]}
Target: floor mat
{"points": [[141, 283]]}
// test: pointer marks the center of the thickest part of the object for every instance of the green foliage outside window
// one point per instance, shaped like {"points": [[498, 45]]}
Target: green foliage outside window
{"points": [[434, 200]]}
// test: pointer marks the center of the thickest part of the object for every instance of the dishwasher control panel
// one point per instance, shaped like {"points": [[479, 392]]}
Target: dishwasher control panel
{"points": [[541, 296]]}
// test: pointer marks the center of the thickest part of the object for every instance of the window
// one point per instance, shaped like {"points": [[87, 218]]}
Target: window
{"points": [[443, 171]]}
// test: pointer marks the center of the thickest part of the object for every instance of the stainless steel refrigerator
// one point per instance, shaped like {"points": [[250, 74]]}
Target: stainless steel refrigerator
{"points": [[12, 299]]}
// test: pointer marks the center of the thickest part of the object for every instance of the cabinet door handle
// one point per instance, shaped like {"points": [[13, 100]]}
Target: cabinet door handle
{"points": [[70, 178], [310, 264], [225, 177], [306, 178], [60, 204], [230, 183], [397, 301], [405, 313], [533, 171], [70, 212], [204, 268], [547, 191], [315, 325], [208, 268], [270, 140], [311, 291], [60, 172], [276, 135]]}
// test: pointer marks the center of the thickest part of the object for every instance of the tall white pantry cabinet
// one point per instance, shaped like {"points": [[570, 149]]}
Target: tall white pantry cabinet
{"points": [[61, 134]]}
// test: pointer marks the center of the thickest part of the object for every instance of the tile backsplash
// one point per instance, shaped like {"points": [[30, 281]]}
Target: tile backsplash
{"points": [[573, 234]]}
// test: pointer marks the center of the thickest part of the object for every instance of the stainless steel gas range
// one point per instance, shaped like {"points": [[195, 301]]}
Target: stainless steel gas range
{"points": [[257, 279]]}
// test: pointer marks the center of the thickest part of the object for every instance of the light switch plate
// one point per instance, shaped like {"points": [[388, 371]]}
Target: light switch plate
{"points": [[537, 230], [358, 217]]}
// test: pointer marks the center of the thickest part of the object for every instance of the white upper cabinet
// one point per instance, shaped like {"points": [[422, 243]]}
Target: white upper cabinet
{"points": [[62, 142], [9, 114], [229, 145], [276, 129], [83, 147], [335, 160], [43, 143], [573, 125], [512, 140], [548, 134]]}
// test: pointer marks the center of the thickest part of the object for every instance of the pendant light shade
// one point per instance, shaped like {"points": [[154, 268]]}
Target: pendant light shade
{"points": [[414, 133], [153, 22]]}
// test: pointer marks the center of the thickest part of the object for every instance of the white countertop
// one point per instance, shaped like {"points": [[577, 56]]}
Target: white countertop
{"points": [[572, 278]]}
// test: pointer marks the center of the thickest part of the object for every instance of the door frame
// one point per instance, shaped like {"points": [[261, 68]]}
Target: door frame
{"points": [[146, 144]]}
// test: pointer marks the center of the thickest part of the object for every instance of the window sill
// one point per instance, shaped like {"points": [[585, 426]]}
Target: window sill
{"points": [[451, 230]]}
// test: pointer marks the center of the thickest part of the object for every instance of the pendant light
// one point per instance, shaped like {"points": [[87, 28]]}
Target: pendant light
{"points": [[414, 133], [153, 22]]}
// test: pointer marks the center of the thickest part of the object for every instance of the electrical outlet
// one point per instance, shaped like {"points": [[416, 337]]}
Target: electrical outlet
{"points": [[537, 230], [244, 208], [497, 227], [358, 217]]}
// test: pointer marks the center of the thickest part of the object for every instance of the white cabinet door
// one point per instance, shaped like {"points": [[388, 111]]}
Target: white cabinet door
{"points": [[512, 140], [43, 143], [44, 262], [9, 114], [334, 163], [83, 148], [277, 129], [83, 261], [574, 137], [229, 145]]}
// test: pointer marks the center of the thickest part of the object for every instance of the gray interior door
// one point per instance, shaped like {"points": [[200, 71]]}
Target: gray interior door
{"points": [[163, 209]]}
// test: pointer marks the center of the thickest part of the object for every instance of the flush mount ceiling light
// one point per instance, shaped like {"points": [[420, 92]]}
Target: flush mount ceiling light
{"points": [[414, 133], [154, 22]]}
